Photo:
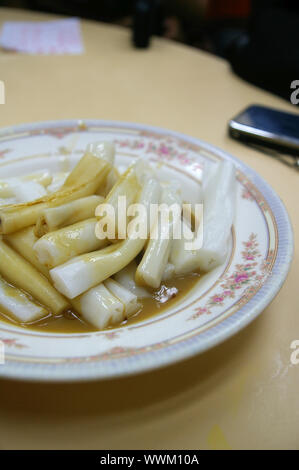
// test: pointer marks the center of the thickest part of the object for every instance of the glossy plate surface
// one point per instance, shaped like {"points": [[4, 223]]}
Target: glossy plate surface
{"points": [[222, 303]]}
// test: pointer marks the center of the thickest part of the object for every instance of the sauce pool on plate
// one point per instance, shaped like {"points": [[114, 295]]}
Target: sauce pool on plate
{"points": [[166, 296]]}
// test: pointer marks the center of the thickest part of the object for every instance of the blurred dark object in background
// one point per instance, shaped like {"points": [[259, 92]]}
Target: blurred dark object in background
{"points": [[144, 18], [267, 54], [188, 21], [103, 10], [258, 37]]}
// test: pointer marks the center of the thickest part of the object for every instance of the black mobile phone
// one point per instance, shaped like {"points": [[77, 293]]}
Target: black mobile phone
{"points": [[267, 127]]}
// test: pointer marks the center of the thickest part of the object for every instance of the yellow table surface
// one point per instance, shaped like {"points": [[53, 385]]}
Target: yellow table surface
{"points": [[243, 393]]}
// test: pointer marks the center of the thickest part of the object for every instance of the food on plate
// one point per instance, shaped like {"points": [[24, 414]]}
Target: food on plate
{"points": [[23, 241], [149, 272], [22, 274], [17, 304], [103, 248], [109, 303], [219, 201], [86, 177], [53, 218], [61, 245], [9, 186]]}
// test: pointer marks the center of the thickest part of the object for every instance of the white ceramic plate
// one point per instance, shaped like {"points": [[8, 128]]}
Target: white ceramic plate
{"points": [[222, 302]]}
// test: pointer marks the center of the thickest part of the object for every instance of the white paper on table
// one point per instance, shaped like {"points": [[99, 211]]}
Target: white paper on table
{"points": [[43, 37]]}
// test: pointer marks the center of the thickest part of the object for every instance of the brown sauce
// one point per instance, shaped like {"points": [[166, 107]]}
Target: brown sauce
{"points": [[166, 296]]}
